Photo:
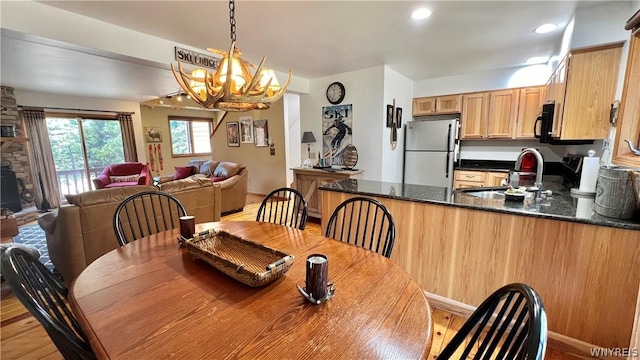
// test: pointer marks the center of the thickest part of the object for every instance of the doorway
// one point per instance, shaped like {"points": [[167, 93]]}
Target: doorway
{"points": [[82, 148]]}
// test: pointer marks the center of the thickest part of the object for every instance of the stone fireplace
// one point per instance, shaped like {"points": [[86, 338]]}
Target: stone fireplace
{"points": [[17, 183]]}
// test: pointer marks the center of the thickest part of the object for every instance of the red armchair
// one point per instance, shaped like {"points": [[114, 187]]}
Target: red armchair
{"points": [[124, 174]]}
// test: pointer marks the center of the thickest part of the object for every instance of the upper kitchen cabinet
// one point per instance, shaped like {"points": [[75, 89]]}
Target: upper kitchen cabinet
{"points": [[475, 112], [629, 114], [583, 88], [530, 104], [503, 109], [489, 115], [434, 105]]}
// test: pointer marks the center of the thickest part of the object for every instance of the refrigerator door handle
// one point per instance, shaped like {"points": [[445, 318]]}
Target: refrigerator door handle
{"points": [[449, 140], [446, 166]]}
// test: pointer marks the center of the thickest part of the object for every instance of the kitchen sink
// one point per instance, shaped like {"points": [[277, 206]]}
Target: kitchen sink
{"points": [[491, 194]]}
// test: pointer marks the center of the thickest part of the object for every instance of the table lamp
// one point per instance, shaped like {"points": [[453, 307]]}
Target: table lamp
{"points": [[308, 138]]}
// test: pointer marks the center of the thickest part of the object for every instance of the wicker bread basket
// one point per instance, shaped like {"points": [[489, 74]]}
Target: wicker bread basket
{"points": [[246, 261]]}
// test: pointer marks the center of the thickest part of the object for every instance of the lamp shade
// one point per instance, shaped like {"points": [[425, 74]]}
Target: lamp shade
{"points": [[307, 137]]}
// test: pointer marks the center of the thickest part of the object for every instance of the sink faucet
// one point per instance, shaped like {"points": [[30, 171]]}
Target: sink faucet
{"points": [[536, 153]]}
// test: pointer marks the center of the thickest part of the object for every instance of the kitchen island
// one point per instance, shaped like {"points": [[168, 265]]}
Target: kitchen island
{"points": [[461, 247]]}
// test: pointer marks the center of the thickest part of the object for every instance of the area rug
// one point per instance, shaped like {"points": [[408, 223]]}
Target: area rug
{"points": [[33, 235]]}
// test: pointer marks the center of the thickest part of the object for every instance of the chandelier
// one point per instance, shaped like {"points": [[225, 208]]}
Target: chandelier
{"points": [[236, 87]]}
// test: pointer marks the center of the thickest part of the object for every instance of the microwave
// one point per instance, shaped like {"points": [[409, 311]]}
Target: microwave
{"points": [[543, 128]]}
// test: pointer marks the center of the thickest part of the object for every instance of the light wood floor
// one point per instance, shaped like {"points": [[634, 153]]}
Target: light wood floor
{"points": [[22, 337]]}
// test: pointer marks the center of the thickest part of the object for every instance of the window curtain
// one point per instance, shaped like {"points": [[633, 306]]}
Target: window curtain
{"points": [[128, 139], [42, 165]]}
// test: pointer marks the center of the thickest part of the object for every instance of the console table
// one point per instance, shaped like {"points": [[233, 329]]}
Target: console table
{"points": [[307, 181]]}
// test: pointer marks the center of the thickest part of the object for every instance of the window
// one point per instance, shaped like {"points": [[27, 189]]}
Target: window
{"points": [[82, 146], [190, 136]]}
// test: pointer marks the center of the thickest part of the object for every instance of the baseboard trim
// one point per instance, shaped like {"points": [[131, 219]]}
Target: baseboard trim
{"points": [[556, 341]]}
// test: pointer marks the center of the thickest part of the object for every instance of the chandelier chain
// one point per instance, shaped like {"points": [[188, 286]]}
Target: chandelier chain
{"points": [[232, 19]]}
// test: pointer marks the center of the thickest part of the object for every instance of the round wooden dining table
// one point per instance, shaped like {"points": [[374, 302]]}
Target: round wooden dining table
{"points": [[152, 299]]}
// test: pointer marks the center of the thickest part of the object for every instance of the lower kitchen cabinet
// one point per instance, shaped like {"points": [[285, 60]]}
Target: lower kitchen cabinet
{"points": [[477, 178], [307, 181]]}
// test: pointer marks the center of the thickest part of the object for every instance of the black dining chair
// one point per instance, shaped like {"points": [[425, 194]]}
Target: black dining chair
{"points": [[146, 213], [511, 324], [45, 298], [284, 206], [363, 222]]}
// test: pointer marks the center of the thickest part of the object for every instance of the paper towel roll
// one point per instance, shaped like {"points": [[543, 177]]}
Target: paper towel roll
{"points": [[584, 208], [589, 176]]}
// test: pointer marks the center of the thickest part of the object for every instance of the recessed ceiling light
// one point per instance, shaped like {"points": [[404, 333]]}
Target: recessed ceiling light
{"points": [[421, 13], [537, 60], [542, 29]]}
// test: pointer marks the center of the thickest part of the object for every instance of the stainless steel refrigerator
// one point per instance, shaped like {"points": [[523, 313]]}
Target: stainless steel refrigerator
{"points": [[431, 150]]}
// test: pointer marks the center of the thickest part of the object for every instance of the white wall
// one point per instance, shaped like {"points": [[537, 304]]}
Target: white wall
{"points": [[38, 99], [292, 134], [602, 23], [364, 90], [489, 80], [400, 88]]}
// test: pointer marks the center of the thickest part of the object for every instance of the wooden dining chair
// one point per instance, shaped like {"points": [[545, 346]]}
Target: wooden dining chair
{"points": [[146, 213], [510, 324], [44, 296], [284, 206], [363, 222]]}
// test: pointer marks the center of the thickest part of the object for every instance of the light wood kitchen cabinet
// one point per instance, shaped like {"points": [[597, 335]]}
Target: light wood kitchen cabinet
{"points": [[464, 179], [583, 88], [529, 107], [468, 179], [434, 105], [489, 115], [307, 181], [629, 114], [503, 109], [495, 178], [475, 111], [555, 93]]}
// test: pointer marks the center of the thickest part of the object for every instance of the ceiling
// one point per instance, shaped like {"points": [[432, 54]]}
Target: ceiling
{"points": [[312, 38]]}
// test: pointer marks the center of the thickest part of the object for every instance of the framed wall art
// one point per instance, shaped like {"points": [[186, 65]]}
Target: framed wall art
{"points": [[233, 138], [246, 129], [389, 116], [337, 123], [152, 135], [261, 133]]}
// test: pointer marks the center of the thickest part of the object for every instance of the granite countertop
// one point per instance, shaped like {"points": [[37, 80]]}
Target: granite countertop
{"points": [[560, 206]]}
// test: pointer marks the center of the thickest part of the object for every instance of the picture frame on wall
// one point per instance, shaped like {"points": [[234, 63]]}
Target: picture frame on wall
{"points": [[399, 117], [389, 116], [261, 133], [233, 133], [246, 129], [152, 135]]}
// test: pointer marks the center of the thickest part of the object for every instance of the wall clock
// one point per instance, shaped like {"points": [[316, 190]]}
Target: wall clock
{"points": [[335, 93]]}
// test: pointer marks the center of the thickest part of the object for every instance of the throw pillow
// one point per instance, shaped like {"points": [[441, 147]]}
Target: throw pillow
{"points": [[71, 198], [208, 167], [183, 172], [226, 169], [126, 178]]}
